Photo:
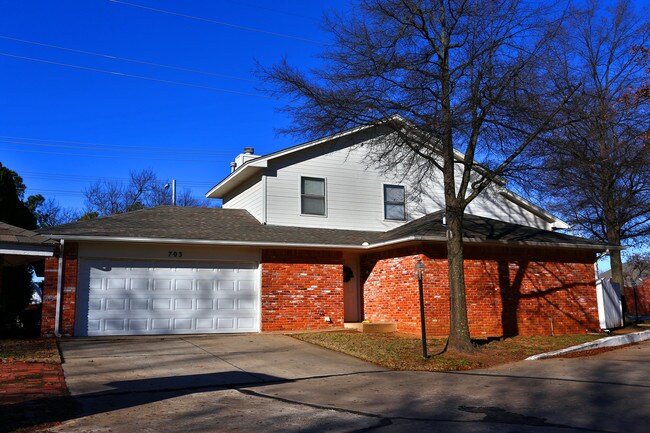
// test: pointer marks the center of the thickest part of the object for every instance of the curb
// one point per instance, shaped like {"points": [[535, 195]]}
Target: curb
{"points": [[618, 340]]}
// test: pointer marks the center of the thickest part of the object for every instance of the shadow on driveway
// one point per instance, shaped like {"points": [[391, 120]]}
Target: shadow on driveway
{"points": [[124, 394]]}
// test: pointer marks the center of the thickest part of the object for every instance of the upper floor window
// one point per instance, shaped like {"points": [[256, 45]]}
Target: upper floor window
{"points": [[312, 196], [394, 202]]}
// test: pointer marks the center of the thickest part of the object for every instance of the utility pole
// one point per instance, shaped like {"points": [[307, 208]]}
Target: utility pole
{"points": [[173, 191]]}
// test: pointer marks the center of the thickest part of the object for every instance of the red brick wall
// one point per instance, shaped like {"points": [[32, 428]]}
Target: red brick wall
{"points": [[510, 291], [642, 299], [69, 292], [301, 288]]}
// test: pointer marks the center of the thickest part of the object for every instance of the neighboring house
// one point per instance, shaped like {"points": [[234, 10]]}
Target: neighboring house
{"points": [[19, 246], [312, 237]]}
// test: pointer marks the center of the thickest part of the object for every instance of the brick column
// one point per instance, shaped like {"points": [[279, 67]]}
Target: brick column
{"points": [[68, 292], [49, 296]]}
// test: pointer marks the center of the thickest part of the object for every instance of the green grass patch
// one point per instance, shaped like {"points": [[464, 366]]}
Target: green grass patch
{"points": [[404, 351]]}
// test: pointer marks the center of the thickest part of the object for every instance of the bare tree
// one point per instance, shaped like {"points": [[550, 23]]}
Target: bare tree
{"points": [[185, 198], [143, 190], [49, 212], [596, 173], [637, 269], [464, 73]]}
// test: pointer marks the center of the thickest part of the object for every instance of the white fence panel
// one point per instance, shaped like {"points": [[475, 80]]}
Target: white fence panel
{"points": [[610, 308]]}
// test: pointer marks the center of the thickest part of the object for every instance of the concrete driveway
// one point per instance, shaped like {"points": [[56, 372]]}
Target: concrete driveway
{"points": [[274, 383]]}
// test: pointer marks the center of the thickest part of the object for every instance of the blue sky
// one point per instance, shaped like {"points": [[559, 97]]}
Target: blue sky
{"points": [[65, 121]]}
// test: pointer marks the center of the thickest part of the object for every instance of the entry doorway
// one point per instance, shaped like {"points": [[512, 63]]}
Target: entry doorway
{"points": [[351, 289]]}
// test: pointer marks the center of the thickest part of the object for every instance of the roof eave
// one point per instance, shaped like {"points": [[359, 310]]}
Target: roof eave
{"points": [[242, 174], [27, 250], [229, 243], [363, 246]]}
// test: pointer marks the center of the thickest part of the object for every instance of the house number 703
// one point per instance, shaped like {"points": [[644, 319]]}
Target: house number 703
{"points": [[175, 254]]}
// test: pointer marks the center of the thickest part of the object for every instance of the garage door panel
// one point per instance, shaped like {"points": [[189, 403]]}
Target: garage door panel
{"points": [[131, 298], [162, 285], [140, 284], [205, 285], [138, 304], [138, 325]]}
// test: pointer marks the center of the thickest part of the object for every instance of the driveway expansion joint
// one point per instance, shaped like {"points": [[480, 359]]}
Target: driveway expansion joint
{"points": [[493, 415], [220, 358]]}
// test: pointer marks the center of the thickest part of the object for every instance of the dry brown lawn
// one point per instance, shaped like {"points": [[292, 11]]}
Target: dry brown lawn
{"points": [[30, 350], [404, 351]]}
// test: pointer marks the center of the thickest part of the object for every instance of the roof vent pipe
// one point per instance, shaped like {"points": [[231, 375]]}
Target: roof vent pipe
{"points": [[233, 166], [249, 150]]}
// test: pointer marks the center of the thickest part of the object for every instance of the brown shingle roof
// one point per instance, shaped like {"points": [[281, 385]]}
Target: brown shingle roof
{"points": [[481, 229], [206, 224], [18, 236], [239, 226]]}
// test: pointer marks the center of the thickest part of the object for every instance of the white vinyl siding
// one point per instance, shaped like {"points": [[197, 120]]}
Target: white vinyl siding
{"points": [[355, 198], [248, 197], [492, 204], [354, 194]]}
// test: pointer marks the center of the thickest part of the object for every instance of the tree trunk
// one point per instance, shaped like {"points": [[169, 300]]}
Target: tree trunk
{"points": [[617, 267], [459, 338]]}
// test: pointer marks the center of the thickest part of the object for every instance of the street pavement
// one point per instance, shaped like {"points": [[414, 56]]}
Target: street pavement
{"points": [[273, 383]]}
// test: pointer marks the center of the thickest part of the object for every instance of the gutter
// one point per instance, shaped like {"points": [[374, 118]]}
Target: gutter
{"points": [[363, 246]]}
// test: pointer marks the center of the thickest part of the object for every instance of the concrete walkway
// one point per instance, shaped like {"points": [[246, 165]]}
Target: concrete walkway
{"points": [[274, 383]]}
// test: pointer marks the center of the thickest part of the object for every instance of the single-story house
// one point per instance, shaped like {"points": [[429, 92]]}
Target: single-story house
{"points": [[313, 237], [19, 246]]}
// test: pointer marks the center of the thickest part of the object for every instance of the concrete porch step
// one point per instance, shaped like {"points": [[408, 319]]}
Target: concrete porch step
{"points": [[372, 327]]}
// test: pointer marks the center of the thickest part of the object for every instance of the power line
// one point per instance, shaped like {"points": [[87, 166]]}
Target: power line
{"points": [[59, 191], [278, 11], [128, 146], [141, 77], [148, 158], [86, 179], [106, 149], [125, 59], [221, 23]]}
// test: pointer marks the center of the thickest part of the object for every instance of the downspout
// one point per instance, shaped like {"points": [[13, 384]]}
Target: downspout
{"points": [[596, 262], [264, 203], [59, 291]]}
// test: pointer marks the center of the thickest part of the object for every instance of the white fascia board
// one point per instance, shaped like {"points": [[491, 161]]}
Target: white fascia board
{"points": [[26, 251], [204, 242], [361, 247], [492, 242], [242, 174]]}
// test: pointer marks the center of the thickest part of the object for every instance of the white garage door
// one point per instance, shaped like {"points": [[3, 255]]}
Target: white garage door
{"points": [[138, 298]]}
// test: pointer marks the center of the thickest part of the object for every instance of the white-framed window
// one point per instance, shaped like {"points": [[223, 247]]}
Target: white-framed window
{"points": [[312, 196], [394, 202]]}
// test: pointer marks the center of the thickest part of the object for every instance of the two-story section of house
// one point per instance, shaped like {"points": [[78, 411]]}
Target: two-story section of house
{"points": [[332, 183], [313, 237]]}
